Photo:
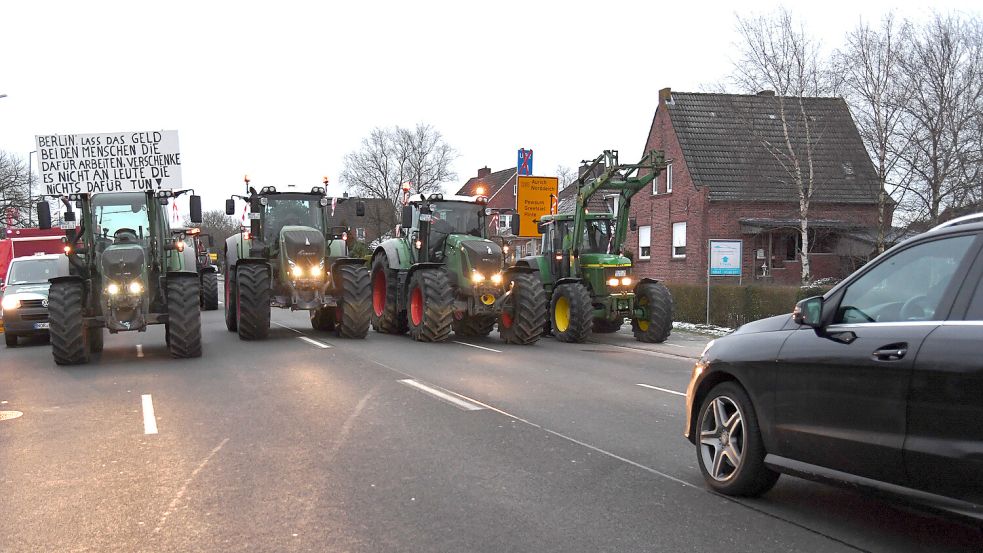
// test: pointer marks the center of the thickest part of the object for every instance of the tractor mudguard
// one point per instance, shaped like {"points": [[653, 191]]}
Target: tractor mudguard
{"points": [[346, 261], [567, 280], [67, 278], [649, 279], [397, 259], [521, 269], [172, 274], [231, 250], [209, 269], [417, 266]]}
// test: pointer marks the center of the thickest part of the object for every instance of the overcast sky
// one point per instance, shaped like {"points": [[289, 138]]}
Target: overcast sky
{"points": [[283, 90]]}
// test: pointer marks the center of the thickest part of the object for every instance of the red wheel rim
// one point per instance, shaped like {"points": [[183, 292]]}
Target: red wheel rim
{"points": [[379, 293], [416, 306], [506, 320]]}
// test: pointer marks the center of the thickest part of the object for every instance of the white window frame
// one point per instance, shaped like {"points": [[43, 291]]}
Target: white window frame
{"points": [[646, 232], [504, 221], [676, 242], [360, 234], [668, 178]]}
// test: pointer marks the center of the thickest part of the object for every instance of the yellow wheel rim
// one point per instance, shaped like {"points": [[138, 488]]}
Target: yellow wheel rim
{"points": [[561, 314], [643, 324]]}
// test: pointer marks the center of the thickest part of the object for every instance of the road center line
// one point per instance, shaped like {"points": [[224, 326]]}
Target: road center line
{"points": [[149, 420], [441, 394], [479, 347], [139, 350], [314, 342], [661, 389], [287, 327]]}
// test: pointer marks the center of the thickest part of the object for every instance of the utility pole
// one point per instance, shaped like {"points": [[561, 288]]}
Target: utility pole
{"points": [[30, 188]]}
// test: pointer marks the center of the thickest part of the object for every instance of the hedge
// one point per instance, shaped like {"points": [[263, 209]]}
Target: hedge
{"points": [[731, 306]]}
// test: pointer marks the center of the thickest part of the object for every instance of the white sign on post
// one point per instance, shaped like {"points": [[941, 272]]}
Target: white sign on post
{"points": [[109, 162], [725, 257]]}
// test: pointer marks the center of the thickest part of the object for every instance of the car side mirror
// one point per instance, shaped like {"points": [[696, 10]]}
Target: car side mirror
{"points": [[407, 221], [195, 205], [360, 208], [809, 312], [230, 207], [44, 215], [514, 224]]}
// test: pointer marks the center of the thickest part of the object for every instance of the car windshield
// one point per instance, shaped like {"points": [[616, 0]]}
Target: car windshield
{"points": [[596, 237], [32, 271], [121, 216], [281, 212]]}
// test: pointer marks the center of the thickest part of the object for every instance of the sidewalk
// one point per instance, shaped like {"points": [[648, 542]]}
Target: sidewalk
{"points": [[681, 343]]}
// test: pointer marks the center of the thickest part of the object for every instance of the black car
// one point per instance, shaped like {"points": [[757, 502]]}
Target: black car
{"points": [[878, 384], [25, 295]]}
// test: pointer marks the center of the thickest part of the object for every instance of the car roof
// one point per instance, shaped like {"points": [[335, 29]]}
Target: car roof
{"points": [[35, 257]]}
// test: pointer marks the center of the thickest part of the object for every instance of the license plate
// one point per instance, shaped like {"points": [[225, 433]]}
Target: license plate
{"points": [[621, 272], [425, 217], [42, 325]]}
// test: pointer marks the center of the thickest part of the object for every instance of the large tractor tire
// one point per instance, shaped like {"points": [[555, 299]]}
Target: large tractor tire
{"points": [[253, 299], [571, 313], [431, 306], [231, 299], [323, 319], [95, 338], [523, 320], [604, 326], [10, 339], [183, 317], [656, 299], [209, 291], [473, 326], [69, 339], [387, 317], [354, 312]]}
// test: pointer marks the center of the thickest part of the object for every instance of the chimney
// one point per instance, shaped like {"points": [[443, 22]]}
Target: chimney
{"points": [[665, 95], [766, 93], [484, 172]]}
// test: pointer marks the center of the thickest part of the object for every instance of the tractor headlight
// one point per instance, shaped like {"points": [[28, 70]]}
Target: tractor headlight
{"points": [[316, 271], [612, 282], [496, 278], [136, 287], [296, 271], [477, 277], [10, 303], [112, 289], [626, 281]]}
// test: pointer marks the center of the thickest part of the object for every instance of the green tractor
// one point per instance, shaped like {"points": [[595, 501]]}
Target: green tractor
{"points": [[443, 273], [584, 269], [207, 271], [127, 271], [293, 258]]}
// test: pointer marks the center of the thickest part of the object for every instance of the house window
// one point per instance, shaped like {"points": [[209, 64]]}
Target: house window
{"points": [[679, 239], [360, 234], [644, 242], [504, 222], [668, 178]]}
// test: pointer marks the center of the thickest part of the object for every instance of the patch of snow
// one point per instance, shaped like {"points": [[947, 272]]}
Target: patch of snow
{"points": [[712, 330]]}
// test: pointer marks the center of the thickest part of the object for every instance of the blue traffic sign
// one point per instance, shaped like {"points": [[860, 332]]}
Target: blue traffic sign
{"points": [[524, 163]]}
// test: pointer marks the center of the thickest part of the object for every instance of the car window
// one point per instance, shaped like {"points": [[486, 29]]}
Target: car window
{"points": [[907, 286], [33, 271], [975, 312]]}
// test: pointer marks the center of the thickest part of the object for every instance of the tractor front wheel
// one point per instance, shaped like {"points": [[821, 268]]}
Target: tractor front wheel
{"points": [[95, 338], [386, 314], [354, 312], [323, 319], [209, 291], [431, 308], [571, 312], [183, 317], [231, 301], [522, 321], [656, 301], [69, 339], [473, 326], [253, 299]]}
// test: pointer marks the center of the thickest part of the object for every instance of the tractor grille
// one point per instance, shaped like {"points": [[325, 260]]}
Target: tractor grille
{"points": [[32, 304]]}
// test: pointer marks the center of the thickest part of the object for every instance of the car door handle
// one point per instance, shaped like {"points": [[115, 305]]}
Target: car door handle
{"points": [[892, 352]]}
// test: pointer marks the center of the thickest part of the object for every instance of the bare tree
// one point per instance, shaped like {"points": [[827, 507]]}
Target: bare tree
{"points": [[943, 69], [565, 175], [777, 54], [869, 64], [15, 200], [391, 156]]}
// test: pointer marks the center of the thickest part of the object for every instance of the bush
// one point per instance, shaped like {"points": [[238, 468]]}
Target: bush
{"points": [[731, 305]]}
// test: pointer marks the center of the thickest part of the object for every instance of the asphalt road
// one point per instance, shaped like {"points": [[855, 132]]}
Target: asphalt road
{"points": [[307, 442]]}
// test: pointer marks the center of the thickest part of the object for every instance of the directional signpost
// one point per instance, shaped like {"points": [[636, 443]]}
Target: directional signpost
{"points": [[532, 201], [724, 259], [109, 162]]}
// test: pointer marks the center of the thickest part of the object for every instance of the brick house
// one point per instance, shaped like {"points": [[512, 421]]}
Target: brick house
{"points": [[725, 183], [500, 187]]}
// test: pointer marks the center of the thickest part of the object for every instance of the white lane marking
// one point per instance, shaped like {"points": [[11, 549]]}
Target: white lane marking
{"points": [[441, 394], [479, 347], [662, 389], [184, 488], [139, 350], [314, 342], [149, 420], [287, 327]]}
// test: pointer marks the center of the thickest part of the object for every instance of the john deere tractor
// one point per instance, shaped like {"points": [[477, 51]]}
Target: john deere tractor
{"points": [[294, 257], [126, 271], [584, 268], [443, 273]]}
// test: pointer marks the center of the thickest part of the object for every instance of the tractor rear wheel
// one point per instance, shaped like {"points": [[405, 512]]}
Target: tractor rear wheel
{"points": [[604, 326], [10, 339], [571, 312], [386, 314], [354, 312], [69, 339], [95, 338], [209, 291], [431, 308], [522, 321], [231, 298], [656, 300], [253, 299], [323, 319], [183, 317], [473, 326]]}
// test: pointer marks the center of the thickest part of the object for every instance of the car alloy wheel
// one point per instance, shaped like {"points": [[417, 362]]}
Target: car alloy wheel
{"points": [[722, 438]]}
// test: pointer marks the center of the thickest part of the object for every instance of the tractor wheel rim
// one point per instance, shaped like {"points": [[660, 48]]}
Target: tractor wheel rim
{"points": [[379, 293], [561, 313], [643, 324], [506, 320], [416, 306]]}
